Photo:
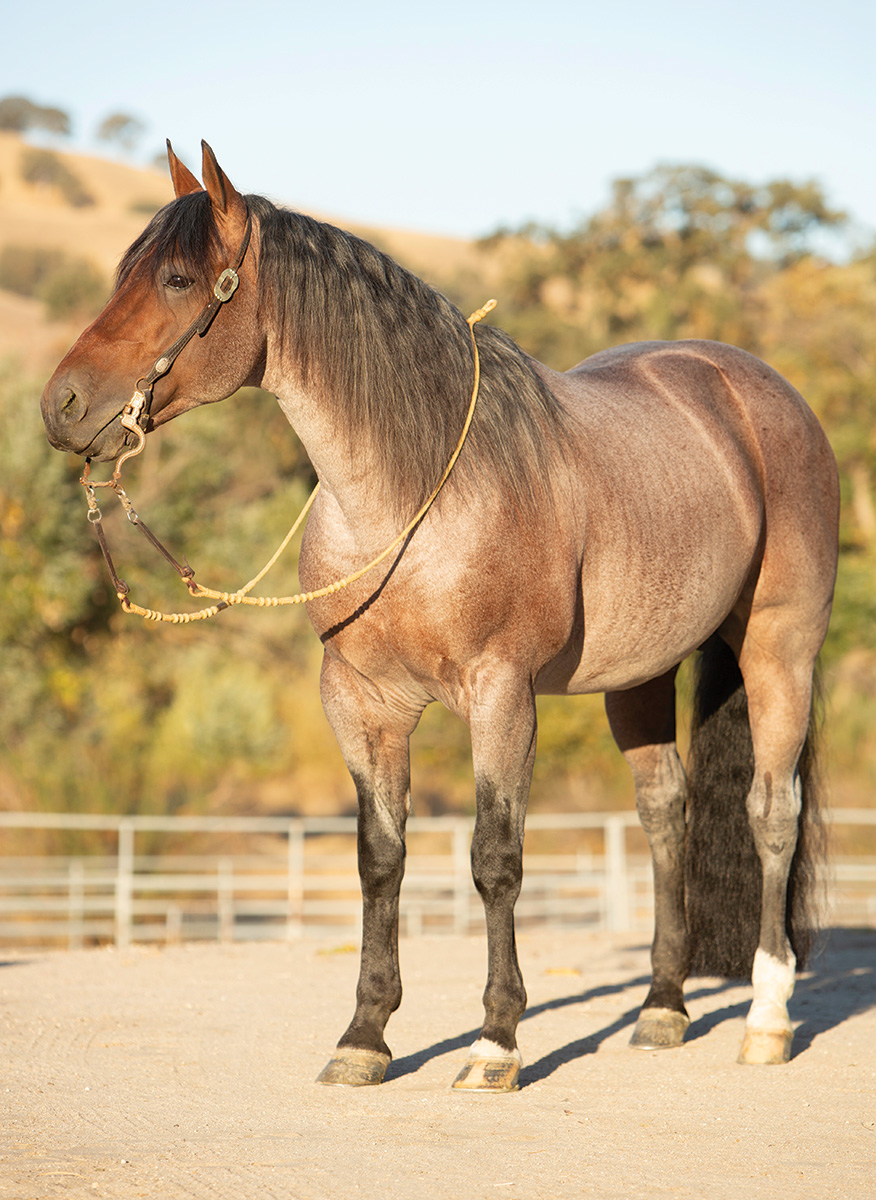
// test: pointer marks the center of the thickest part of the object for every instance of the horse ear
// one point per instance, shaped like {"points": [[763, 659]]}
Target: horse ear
{"points": [[184, 182], [228, 205]]}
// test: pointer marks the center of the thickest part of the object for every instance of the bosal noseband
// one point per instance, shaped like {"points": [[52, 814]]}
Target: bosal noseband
{"points": [[132, 419]]}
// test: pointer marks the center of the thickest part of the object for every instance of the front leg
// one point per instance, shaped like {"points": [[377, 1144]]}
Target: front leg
{"points": [[374, 742], [503, 729]]}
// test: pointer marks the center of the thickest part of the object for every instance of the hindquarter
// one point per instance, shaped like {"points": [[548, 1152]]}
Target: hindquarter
{"points": [[671, 483], [786, 607], [710, 494]]}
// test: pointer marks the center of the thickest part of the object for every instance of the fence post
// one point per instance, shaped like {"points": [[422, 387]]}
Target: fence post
{"points": [[75, 904], [125, 885], [295, 882], [225, 899], [173, 925], [461, 875], [617, 899]]}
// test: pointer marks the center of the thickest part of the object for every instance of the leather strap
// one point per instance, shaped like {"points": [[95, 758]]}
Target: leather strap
{"points": [[223, 289]]}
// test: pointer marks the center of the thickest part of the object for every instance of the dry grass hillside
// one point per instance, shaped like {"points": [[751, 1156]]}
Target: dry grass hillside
{"points": [[37, 215]]}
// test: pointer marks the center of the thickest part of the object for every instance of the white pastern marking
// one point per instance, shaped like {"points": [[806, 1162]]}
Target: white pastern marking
{"points": [[484, 1048], [773, 987]]}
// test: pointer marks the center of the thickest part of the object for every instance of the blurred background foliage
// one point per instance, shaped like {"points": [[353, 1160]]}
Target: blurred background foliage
{"points": [[101, 712]]}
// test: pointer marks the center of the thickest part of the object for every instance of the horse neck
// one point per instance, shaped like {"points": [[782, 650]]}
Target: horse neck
{"points": [[349, 473], [362, 370]]}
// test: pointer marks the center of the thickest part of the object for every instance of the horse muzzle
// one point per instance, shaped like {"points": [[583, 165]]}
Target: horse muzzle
{"points": [[75, 425]]}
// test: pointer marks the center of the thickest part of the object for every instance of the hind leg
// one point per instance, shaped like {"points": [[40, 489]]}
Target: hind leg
{"points": [[779, 692], [777, 660], [643, 724]]}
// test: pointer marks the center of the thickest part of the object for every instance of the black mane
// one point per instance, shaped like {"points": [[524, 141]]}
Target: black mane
{"points": [[355, 325]]}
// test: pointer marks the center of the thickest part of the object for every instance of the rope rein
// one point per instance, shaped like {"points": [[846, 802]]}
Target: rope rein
{"points": [[130, 421]]}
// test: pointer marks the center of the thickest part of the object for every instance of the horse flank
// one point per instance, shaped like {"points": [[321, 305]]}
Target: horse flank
{"points": [[352, 323]]}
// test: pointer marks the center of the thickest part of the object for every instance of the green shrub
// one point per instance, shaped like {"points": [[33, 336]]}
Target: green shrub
{"points": [[75, 288], [26, 269], [67, 286]]}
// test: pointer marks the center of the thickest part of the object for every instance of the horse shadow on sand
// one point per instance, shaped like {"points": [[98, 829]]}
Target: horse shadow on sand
{"points": [[839, 984]]}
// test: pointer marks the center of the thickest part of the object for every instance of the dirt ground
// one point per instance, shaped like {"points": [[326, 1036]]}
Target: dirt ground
{"points": [[189, 1072]]}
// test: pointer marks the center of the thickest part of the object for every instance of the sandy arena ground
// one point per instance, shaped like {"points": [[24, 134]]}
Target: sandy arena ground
{"points": [[189, 1072]]}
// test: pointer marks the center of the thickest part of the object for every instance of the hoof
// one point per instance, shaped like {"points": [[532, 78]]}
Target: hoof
{"points": [[488, 1075], [354, 1068], [659, 1029], [765, 1049]]}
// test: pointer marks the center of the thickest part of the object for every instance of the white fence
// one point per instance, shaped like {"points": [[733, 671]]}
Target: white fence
{"points": [[178, 878]]}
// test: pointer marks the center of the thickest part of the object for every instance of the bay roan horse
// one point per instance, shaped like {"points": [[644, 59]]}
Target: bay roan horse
{"points": [[599, 526]]}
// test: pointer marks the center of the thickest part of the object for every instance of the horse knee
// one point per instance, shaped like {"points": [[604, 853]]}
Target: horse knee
{"points": [[497, 870], [381, 851], [496, 858]]}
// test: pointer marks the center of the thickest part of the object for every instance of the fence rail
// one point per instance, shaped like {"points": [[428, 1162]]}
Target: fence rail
{"points": [[232, 878]]}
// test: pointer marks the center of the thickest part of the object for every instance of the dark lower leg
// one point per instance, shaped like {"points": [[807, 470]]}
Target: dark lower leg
{"points": [[661, 811], [381, 868], [374, 742], [503, 745], [643, 724], [497, 867], [663, 1020]]}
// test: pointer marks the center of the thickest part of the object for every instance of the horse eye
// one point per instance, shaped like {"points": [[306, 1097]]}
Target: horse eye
{"points": [[178, 282]]}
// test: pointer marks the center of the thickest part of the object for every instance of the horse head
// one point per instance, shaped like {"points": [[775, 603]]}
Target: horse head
{"points": [[172, 282]]}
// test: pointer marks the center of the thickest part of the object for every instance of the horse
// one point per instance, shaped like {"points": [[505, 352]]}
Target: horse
{"points": [[599, 526]]}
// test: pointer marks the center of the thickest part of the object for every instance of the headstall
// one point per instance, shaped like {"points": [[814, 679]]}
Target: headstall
{"points": [[135, 414]]}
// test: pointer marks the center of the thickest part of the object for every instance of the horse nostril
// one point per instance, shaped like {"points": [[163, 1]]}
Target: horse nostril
{"points": [[72, 407]]}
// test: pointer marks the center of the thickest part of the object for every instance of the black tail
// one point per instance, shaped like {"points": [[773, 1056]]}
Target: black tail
{"points": [[723, 872]]}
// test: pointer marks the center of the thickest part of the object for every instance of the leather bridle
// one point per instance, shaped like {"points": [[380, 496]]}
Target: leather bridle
{"points": [[135, 414]]}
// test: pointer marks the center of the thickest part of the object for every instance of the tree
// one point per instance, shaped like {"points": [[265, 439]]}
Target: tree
{"points": [[678, 252], [19, 114], [122, 128]]}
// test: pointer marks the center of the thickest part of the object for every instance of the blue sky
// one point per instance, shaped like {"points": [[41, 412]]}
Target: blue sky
{"points": [[455, 118]]}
